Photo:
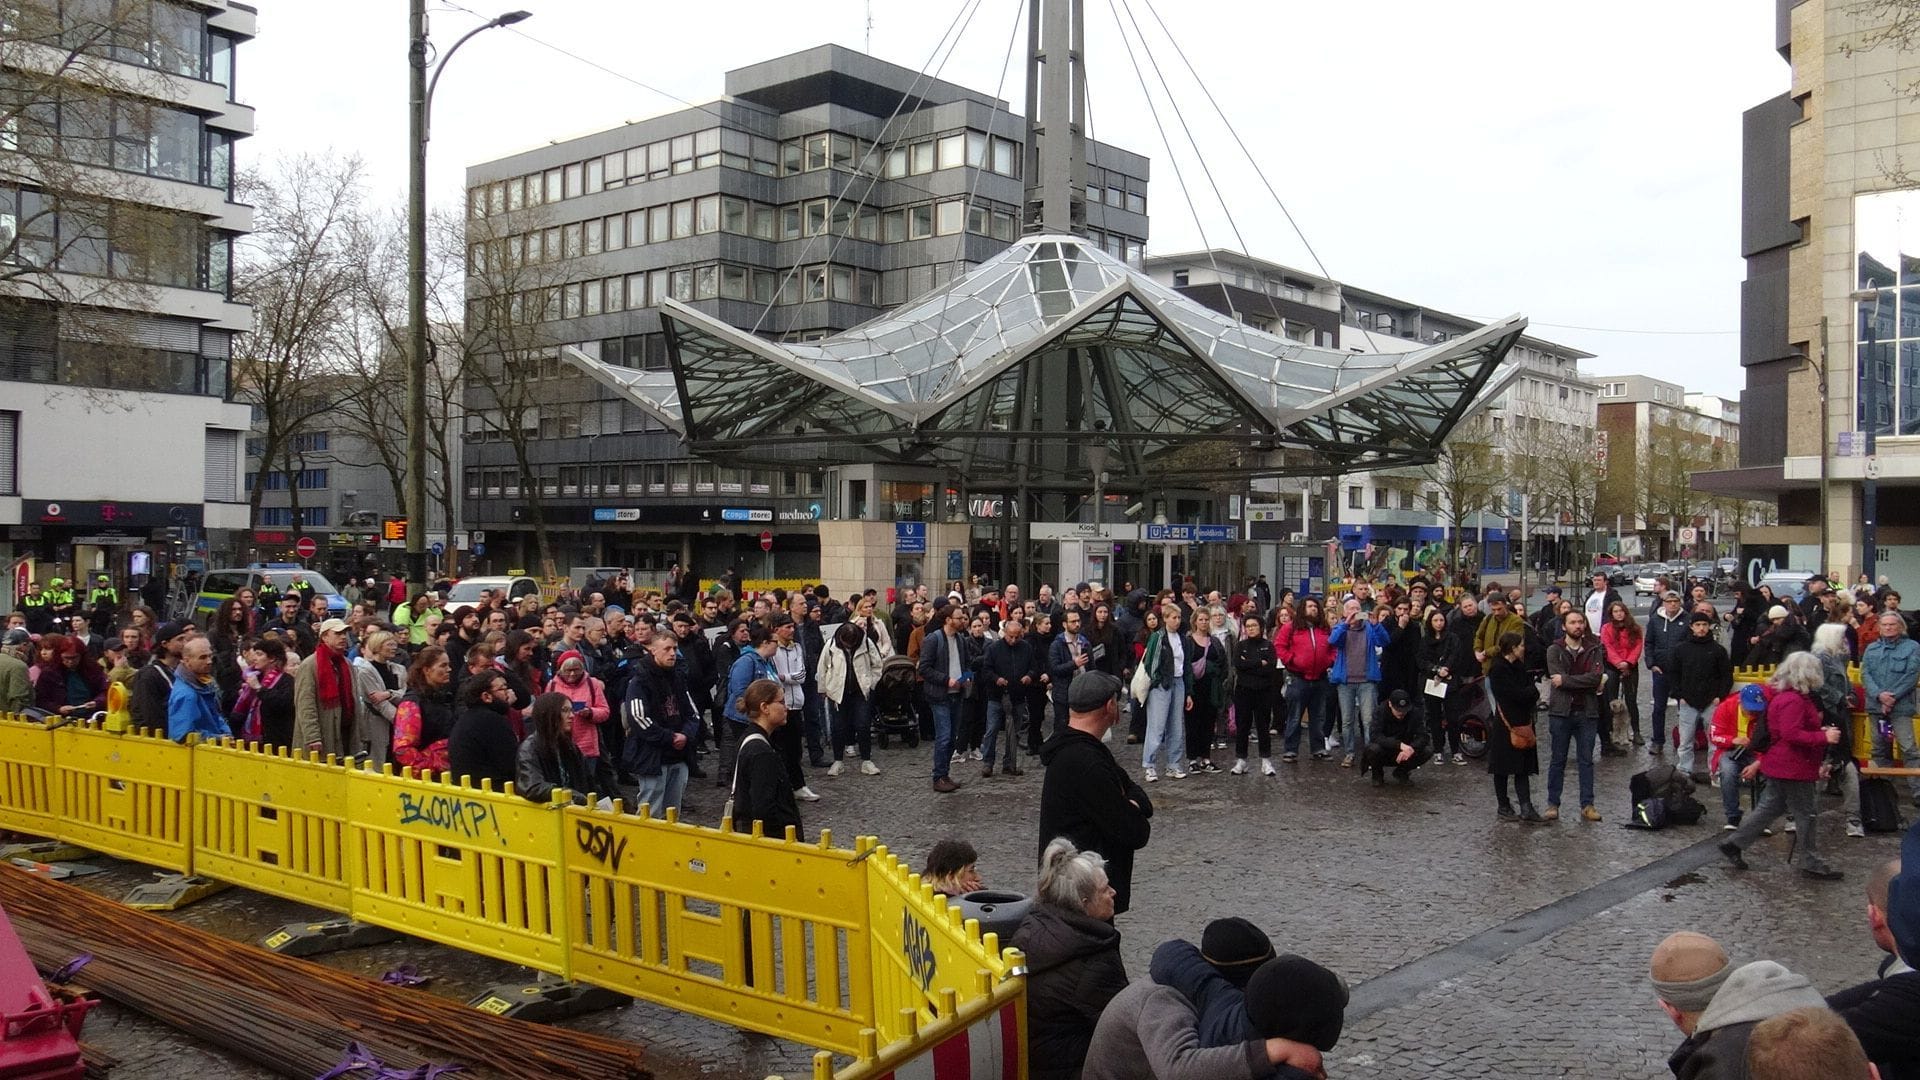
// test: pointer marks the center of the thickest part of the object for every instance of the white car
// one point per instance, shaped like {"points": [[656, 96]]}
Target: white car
{"points": [[1646, 581], [468, 590]]}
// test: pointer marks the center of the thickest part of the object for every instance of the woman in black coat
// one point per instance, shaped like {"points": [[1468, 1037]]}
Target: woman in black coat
{"points": [[1400, 660], [1073, 959], [1431, 655], [1516, 696]]}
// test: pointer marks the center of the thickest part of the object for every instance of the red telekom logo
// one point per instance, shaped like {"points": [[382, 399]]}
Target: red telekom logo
{"points": [[109, 511]]}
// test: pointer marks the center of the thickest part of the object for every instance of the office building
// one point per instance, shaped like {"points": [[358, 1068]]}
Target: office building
{"points": [[120, 449], [1658, 435]]}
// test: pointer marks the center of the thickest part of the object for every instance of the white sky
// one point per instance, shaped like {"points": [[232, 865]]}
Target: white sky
{"points": [[1579, 164]]}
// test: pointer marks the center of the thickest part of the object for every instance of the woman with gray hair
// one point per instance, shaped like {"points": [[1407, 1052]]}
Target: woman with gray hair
{"points": [[1836, 701], [1073, 959], [1796, 747]]}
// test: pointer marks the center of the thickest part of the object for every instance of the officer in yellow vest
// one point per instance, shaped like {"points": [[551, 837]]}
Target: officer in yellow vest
{"points": [[104, 601], [34, 606], [60, 602]]}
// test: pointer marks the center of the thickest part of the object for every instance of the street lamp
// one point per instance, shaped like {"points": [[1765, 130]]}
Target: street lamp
{"points": [[420, 105], [1869, 486]]}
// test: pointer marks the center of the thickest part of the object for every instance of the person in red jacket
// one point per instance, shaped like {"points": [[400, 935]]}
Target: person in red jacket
{"points": [[1728, 732], [1304, 648], [1796, 745]]}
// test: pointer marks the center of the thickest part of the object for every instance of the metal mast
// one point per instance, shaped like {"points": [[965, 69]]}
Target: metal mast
{"points": [[1056, 150]]}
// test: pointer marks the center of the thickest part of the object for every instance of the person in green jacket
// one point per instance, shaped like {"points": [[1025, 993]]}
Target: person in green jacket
{"points": [[16, 692]]}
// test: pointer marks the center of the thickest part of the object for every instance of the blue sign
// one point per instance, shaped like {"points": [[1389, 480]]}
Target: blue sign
{"points": [[955, 561], [603, 513], [910, 537], [438, 549], [737, 513], [1190, 534], [1213, 534], [479, 550]]}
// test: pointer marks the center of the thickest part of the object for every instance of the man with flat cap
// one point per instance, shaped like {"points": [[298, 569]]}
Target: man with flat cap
{"points": [[1086, 796]]}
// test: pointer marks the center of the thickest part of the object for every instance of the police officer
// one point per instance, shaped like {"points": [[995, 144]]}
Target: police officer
{"points": [[104, 601], [60, 602], [34, 606]]}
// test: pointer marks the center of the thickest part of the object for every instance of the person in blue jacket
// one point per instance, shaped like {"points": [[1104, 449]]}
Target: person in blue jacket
{"points": [[1357, 640], [194, 706], [754, 662]]}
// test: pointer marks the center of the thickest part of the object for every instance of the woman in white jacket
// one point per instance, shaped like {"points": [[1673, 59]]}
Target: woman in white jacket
{"points": [[380, 682], [848, 669]]}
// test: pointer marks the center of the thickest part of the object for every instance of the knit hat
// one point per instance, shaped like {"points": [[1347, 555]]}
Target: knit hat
{"points": [[1291, 997], [1703, 617], [571, 654], [1687, 969], [1776, 612], [1235, 947]]}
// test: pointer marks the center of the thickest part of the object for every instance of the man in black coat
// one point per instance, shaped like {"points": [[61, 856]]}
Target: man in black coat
{"points": [[481, 746], [1086, 796], [153, 684], [1885, 1013], [1399, 738]]}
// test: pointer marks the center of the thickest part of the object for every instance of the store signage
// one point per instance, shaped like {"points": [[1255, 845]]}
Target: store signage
{"points": [[110, 540], [741, 513], [117, 514], [910, 537], [616, 513]]}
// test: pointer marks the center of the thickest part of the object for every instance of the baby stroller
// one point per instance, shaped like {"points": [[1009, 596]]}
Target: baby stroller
{"points": [[893, 702], [1475, 713]]}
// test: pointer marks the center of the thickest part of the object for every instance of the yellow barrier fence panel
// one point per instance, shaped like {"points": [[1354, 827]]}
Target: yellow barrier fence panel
{"points": [[271, 821], [1863, 728], [761, 933], [126, 795], [27, 801], [476, 869], [922, 950], [987, 1034]]}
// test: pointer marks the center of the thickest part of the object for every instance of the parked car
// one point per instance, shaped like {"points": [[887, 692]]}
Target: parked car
{"points": [[468, 590], [1787, 583], [217, 585], [1619, 575], [1646, 580]]}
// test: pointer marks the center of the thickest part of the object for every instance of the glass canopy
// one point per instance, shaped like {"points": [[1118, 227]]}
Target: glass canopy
{"points": [[1051, 345]]}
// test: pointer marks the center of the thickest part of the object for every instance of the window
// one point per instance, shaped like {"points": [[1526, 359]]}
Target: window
{"points": [[949, 216], [682, 219], [1353, 497], [576, 180], [10, 456], [707, 214], [950, 151], [616, 232], [1380, 496], [595, 236], [920, 158], [1433, 502], [919, 222]]}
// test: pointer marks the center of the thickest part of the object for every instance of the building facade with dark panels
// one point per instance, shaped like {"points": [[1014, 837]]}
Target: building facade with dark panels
{"points": [[825, 188]]}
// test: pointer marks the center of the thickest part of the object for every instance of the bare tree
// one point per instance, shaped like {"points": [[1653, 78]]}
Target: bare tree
{"points": [[1468, 475], [1569, 471], [298, 272]]}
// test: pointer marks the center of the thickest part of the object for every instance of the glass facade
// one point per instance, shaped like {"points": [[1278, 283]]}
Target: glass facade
{"points": [[1887, 324]]}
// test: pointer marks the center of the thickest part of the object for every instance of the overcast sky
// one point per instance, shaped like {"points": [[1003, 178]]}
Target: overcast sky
{"points": [[1579, 164]]}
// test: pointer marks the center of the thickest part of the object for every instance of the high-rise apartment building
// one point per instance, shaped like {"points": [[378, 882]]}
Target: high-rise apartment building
{"points": [[119, 446], [824, 188]]}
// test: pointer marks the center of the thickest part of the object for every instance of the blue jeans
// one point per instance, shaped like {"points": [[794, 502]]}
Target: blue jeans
{"points": [[1689, 723], [1166, 727], [663, 791], [1730, 782], [1659, 718], [1008, 710], [1310, 697], [1357, 700], [1583, 731], [942, 707], [813, 720]]}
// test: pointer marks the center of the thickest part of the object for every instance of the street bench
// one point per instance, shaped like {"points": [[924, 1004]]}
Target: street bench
{"points": [[1886, 771]]}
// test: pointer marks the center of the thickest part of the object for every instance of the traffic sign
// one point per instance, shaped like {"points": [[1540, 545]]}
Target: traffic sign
{"points": [[766, 541], [438, 548], [1689, 534], [479, 549], [305, 547]]}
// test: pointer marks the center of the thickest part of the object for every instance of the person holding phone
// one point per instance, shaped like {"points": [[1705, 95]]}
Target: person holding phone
{"points": [[586, 699]]}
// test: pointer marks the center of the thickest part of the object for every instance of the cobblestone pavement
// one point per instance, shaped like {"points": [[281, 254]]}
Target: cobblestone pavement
{"points": [[1363, 880]]}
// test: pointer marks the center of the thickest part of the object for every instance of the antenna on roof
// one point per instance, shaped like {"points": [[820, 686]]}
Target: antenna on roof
{"points": [[869, 27]]}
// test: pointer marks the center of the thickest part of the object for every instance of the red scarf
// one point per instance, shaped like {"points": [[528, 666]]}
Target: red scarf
{"points": [[330, 676]]}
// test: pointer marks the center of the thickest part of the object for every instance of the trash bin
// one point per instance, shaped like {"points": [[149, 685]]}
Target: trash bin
{"points": [[998, 912]]}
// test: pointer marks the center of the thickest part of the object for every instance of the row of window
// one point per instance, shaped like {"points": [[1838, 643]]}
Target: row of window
{"points": [[1382, 495], [733, 149], [93, 128], [304, 479], [644, 478], [119, 240], [312, 442], [154, 34], [743, 217], [311, 517], [40, 344], [563, 420]]}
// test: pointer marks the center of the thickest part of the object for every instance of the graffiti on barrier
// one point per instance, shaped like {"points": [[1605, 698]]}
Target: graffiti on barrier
{"points": [[917, 946], [469, 818], [597, 843]]}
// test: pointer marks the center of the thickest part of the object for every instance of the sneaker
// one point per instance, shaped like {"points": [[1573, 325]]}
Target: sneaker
{"points": [[1459, 759], [1240, 767], [1267, 769], [1438, 759], [1730, 826], [1791, 827], [1855, 829], [1734, 858], [849, 752], [1290, 758], [1321, 755], [1766, 832], [945, 786], [1347, 762], [1151, 776], [869, 768], [1333, 744], [833, 769], [806, 794], [1588, 813], [1177, 774], [1657, 748], [1552, 814], [816, 761]]}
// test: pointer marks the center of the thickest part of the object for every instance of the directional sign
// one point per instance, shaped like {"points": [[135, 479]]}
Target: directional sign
{"points": [[438, 549], [479, 549], [910, 537], [305, 547]]}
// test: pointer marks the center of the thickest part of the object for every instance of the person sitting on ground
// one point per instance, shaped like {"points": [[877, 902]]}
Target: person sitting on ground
{"points": [[1213, 977], [951, 869], [1885, 1013], [1716, 1005], [1073, 959], [1807, 1044], [1149, 1032], [1399, 739]]}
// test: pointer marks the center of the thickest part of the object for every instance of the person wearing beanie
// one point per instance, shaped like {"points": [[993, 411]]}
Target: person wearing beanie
{"points": [[1291, 997], [1783, 636], [1699, 673], [1718, 1020], [1885, 1013], [1149, 1032], [1213, 977]]}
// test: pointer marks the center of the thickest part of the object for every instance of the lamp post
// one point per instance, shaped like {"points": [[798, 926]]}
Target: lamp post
{"points": [[1869, 485], [419, 106]]}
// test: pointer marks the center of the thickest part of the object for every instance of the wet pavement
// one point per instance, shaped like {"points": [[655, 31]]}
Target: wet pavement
{"points": [[1516, 951]]}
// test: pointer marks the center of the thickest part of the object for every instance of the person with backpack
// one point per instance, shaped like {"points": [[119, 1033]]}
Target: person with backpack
{"points": [[1796, 746], [761, 792]]}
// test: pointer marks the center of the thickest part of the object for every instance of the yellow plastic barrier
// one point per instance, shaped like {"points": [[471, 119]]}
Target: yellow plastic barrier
{"points": [[125, 795], [1863, 739], [27, 797], [756, 932], [479, 870], [990, 1032], [273, 822], [925, 957]]}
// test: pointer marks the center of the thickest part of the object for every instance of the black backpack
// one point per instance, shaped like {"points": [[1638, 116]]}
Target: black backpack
{"points": [[1879, 805], [1673, 789]]}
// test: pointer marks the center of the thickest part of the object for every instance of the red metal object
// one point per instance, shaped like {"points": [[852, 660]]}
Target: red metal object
{"points": [[39, 1033]]}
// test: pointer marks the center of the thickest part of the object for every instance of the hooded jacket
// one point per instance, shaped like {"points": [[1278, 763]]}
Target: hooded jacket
{"points": [[1717, 1048], [1885, 1015], [1073, 970], [1662, 634], [1149, 1030], [1304, 649], [1796, 743], [194, 709]]}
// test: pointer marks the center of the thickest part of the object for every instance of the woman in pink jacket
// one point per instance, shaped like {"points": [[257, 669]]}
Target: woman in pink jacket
{"points": [[589, 700], [1795, 746]]}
